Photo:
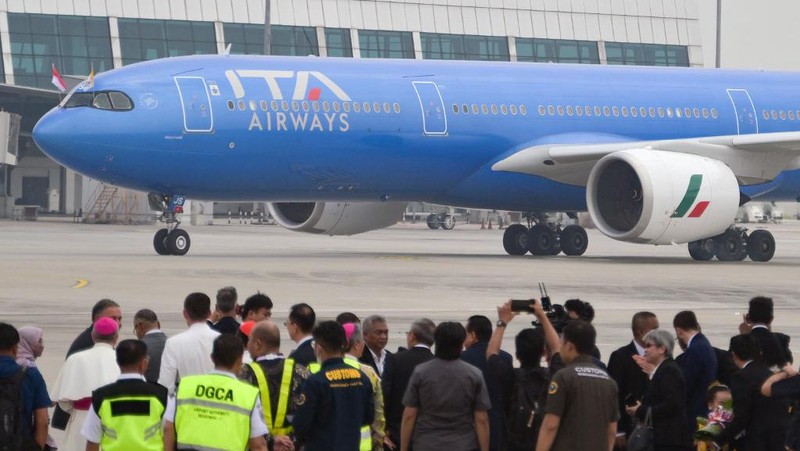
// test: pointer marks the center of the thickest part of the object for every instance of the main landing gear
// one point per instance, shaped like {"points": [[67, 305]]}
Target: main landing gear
{"points": [[735, 244], [545, 238], [170, 240], [445, 221]]}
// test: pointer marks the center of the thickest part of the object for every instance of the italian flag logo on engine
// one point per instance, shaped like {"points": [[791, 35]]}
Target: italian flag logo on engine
{"points": [[688, 199]]}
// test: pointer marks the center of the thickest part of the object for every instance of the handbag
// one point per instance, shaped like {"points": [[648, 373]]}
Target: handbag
{"points": [[641, 438]]}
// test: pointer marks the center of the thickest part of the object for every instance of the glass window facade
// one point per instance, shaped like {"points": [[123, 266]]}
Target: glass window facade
{"points": [[147, 39], [338, 42], [385, 44], [74, 44], [557, 51], [647, 54], [248, 39], [464, 47]]}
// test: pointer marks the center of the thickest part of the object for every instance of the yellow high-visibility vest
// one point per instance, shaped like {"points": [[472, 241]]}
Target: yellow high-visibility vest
{"points": [[131, 422], [276, 426], [213, 412]]}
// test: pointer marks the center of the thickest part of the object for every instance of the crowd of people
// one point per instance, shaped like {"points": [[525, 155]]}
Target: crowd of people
{"points": [[225, 384]]}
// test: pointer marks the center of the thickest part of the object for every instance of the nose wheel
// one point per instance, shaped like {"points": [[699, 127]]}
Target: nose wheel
{"points": [[169, 240]]}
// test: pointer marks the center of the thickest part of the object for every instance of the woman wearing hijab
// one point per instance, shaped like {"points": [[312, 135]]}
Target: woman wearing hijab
{"points": [[30, 347]]}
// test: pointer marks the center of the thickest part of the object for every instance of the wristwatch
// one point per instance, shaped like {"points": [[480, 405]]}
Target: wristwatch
{"points": [[501, 323]]}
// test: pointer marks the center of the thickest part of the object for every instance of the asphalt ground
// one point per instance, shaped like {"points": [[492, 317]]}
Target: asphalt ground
{"points": [[52, 272]]}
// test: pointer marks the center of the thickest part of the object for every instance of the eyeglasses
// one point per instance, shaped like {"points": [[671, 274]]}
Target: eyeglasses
{"points": [[649, 345]]}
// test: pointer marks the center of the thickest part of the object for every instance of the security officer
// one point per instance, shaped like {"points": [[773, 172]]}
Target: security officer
{"points": [[126, 415], [336, 401], [581, 410], [278, 379], [354, 348], [216, 410]]}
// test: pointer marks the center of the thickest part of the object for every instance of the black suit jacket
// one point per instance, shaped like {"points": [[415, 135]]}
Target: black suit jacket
{"points": [[763, 419], [666, 397], [155, 347], [82, 342], [394, 384], [699, 366], [774, 347], [304, 354], [630, 379], [366, 358], [226, 325]]}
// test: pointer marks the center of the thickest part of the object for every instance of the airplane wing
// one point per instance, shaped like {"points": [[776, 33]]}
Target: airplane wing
{"points": [[754, 159]]}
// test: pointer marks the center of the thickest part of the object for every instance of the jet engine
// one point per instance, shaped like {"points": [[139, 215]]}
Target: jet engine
{"points": [[336, 218], [658, 197]]}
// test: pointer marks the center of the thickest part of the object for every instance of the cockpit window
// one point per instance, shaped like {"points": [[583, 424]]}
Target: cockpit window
{"points": [[103, 100]]}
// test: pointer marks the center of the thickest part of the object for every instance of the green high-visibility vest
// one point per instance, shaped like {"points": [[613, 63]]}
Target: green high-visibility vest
{"points": [[131, 422], [213, 413], [277, 426], [365, 444]]}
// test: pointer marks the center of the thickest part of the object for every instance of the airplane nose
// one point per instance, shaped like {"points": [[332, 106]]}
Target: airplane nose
{"points": [[51, 135]]}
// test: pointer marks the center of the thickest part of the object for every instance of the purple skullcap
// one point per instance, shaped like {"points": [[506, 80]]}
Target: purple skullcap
{"points": [[349, 328], [105, 326]]}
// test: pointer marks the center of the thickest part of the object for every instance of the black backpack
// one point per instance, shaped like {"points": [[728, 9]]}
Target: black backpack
{"points": [[526, 411], [11, 435]]}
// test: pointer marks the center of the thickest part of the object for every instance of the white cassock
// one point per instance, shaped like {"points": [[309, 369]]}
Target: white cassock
{"points": [[82, 373]]}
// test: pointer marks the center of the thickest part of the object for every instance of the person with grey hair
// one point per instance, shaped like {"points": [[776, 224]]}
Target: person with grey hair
{"points": [[223, 318], [376, 334], [665, 399], [354, 349], [419, 339], [148, 329]]}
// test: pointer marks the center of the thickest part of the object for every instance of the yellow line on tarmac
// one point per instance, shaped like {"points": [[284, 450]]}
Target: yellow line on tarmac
{"points": [[80, 283]]}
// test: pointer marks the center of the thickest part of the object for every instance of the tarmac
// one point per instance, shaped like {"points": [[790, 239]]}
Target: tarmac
{"points": [[52, 272]]}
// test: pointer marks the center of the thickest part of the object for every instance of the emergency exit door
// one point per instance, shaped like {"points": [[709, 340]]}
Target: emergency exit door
{"points": [[196, 104], [746, 118], [434, 116]]}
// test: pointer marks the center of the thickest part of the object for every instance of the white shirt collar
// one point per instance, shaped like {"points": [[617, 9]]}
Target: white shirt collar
{"points": [[304, 339], [134, 376], [420, 345], [639, 348], [759, 326], [378, 357], [746, 363], [271, 356], [154, 331], [200, 325]]}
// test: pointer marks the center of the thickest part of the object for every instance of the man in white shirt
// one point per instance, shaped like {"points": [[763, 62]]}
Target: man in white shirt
{"points": [[376, 334], [189, 352]]}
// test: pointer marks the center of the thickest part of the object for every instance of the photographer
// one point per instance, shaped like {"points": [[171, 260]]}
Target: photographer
{"points": [[524, 390]]}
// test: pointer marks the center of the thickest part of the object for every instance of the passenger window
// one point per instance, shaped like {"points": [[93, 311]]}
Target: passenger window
{"points": [[295, 105], [669, 112], [696, 112], [570, 111], [774, 115], [791, 115], [513, 109], [687, 112], [783, 115], [550, 110], [346, 107], [541, 110], [560, 110], [315, 106], [504, 109], [494, 109], [661, 112], [652, 112], [263, 105], [625, 111], [678, 112], [455, 108], [120, 101], [396, 107], [336, 107], [642, 111], [523, 110], [284, 105], [705, 113], [274, 105], [616, 111], [606, 111], [464, 107], [386, 108], [588, 111], [253, 106], [231, 105], [357, 107], [597, 111], [485, 109], [579, 111], [242, 105], [376, 107], [634, 112], [101, 101], [714, 113], [367, 108], [305, 106]]}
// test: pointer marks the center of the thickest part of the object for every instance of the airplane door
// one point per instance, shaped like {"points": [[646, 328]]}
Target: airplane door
{"points": [[434, 116], [746, 118], [196, 104]]}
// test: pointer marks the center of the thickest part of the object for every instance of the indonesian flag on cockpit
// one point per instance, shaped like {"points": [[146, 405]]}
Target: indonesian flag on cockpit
{"points": [[57, 81]]}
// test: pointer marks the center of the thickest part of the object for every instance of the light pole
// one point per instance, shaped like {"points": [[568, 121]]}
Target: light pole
{"points": [[267, 28], [719, 33]]}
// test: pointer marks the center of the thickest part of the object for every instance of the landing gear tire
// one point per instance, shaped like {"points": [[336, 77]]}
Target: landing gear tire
{"points": [[159, 242], [448, 222], [729, 246], [433, 222], [761, 246], [515, 239], [542, 240], [178, 242], [574, 240], [702, 250]]}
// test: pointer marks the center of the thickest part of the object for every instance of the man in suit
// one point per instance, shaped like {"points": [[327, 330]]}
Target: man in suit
{"points": [[698, 364], [300, 325], [376, 335], [419, 340], [631, 380], [763, 420], [104, 308], [223, 318], [775, 351], [148, 329], [479, 332]]}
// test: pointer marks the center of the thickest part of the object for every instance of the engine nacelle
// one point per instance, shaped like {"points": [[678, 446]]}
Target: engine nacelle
{"points": [[336, 218], [658, 197]]}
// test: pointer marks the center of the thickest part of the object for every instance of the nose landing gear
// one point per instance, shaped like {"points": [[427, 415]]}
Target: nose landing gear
{"points": [[169, 240]]}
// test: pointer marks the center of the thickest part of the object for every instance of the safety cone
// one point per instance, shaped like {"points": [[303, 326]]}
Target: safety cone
{"points": [[490, 225], [483, 224]]}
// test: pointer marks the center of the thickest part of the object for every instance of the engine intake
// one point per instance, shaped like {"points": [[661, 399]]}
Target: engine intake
{"points": [[336, 218], [658, 197]]}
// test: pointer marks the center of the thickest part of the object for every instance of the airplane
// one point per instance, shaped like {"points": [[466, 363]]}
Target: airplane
{"points": [[338, 146]]}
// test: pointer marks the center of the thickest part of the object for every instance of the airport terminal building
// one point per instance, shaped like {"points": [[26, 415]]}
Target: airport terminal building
{"points": [[78, 36]]}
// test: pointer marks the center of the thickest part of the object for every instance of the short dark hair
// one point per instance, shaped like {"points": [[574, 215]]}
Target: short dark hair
{"points": [[745, 347], [713, 390], [101, 305], [330, 336], [146, 315], [481, 326], [227, 350], [686, 320], [303, 315], [530, 347], [255, 302], [424, 330], [581, 334], [640, 320], [347, 317], [761, 310], [197, 306], [226, 299], [9, 337], [449, 338], [130, 352], [584, 309]]}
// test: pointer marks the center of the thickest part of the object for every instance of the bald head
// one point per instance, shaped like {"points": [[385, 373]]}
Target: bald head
{"points": [[265, 338]]}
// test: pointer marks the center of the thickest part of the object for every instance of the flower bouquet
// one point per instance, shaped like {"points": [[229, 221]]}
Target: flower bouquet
{"points": [[711, 427]]}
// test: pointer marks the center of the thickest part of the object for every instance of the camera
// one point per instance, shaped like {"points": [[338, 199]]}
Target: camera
{"points": [[556, 313]]}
